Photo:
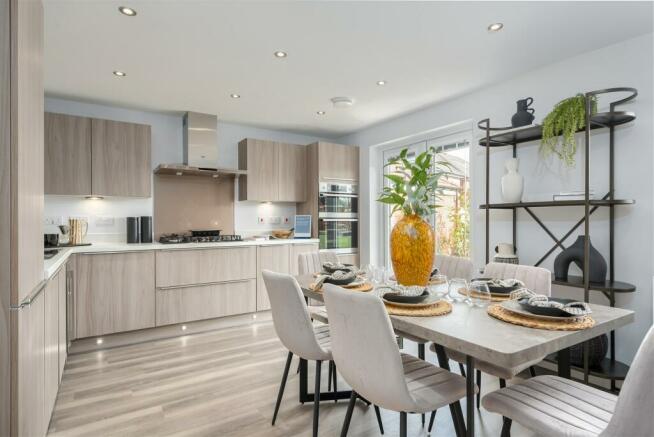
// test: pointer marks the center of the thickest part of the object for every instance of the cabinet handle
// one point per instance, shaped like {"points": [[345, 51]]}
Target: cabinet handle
{"points": [[30, 298], [204, 284]]}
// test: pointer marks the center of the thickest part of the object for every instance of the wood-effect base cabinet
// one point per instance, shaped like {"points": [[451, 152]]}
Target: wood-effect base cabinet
{"points": [[114, 292], [276, 259]]}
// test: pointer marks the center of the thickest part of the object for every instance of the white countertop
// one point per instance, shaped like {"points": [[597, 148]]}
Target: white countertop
{"points": [[53, 264]]}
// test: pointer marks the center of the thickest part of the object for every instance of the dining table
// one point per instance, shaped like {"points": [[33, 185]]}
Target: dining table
{"points": [[473, 332]]}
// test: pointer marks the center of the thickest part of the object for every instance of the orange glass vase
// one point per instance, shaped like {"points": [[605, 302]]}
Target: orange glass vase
{"points": [[412, 250]]}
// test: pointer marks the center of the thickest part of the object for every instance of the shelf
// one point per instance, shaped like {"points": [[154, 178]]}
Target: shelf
{"points": [[606, 286], [549, 203], [534, 132], [607, 369]]}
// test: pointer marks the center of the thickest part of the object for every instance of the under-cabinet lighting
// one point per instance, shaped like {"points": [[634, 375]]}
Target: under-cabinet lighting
{"points": [[94, 197]]}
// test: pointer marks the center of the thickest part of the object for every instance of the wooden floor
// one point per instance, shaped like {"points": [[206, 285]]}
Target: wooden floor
{"points": [[221, 383]]}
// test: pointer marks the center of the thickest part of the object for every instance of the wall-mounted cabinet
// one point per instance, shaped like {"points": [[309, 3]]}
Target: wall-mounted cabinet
{"points": [[338, 162], [276, 171], [88, 156]]}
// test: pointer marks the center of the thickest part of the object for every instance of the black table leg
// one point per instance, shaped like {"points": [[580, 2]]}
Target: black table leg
{"points": [[455, 408], [470, 396], [563, 360]]}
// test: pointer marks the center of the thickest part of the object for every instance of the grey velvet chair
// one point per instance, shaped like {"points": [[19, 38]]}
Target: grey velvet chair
{"points": [[366, 354], [294, 328], [536, 279], [550, 405]]}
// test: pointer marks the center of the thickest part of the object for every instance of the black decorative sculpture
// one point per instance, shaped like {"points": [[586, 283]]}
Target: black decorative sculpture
{"points": [[575, 253]]}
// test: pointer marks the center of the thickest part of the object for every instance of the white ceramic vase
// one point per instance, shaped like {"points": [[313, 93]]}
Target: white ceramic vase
{"points": [[512, 182]]}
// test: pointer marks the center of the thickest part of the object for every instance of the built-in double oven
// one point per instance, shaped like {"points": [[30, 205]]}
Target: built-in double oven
{"points": [[338, 217]]}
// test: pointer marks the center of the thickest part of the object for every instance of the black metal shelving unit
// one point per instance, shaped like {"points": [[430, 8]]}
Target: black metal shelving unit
{"points": [[509, 137]]}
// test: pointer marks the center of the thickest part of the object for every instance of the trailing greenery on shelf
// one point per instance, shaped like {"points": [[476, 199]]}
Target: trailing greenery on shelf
{"points": [[414, 185], [567, 117]]}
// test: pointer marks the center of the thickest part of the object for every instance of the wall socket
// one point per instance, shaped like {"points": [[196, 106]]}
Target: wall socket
{"points": [[53, 221]]}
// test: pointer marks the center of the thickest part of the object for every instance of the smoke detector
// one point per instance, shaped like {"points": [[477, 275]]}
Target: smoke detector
{"points": [[342, 102]]}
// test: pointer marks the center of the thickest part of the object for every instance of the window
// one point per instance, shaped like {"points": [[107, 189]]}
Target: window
{"points": [[451, 221]]}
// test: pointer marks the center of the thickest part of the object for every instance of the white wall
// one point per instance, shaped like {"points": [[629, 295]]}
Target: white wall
{"points": [[166, 148], [625, 64]]}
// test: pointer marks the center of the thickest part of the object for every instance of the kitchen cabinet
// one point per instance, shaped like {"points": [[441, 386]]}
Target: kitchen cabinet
{"points": [[120, 159], [276, 172], [114, 292], [30, 406], [291, 173], [67, 154], [338, 162], [276, 259], [200, 302], [62, 341], [296, 250], [51, 343], [205, 266]]}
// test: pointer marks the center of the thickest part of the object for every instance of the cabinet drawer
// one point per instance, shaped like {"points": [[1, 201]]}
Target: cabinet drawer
{"points": [[205, 266], [187, 304]]}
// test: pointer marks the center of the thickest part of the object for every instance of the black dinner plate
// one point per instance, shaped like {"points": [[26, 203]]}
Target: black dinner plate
{"points": [[340, 281], [401, 298], [496, 288], [545, 311]]}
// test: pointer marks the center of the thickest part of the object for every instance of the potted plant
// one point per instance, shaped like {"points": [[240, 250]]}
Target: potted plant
{"points": [[565, 120], [413, 191]]}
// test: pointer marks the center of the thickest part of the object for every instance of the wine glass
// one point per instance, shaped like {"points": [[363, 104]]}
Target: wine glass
{"points": [[455, 285], [479, 294], [438, 285]]}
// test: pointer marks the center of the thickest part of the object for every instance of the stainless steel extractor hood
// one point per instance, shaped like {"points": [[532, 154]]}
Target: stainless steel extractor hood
{"points": [[200, 140]]}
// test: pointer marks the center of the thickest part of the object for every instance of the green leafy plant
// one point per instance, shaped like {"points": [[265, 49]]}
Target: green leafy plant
{"points": [[566, 118], [414, 185]]}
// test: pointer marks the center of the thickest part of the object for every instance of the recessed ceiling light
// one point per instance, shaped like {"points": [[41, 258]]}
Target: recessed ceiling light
{"points": [[495, 27], [127, 11], [235, 96], [94, 197], [280, 54], [120, 73], [381, 82], [320, 112]]}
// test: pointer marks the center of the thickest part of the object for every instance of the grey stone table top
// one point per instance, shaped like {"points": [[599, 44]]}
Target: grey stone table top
{"points": [[472, 331]]}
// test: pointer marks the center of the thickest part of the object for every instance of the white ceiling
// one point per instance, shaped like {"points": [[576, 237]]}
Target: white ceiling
{"points": [[191, 55]]}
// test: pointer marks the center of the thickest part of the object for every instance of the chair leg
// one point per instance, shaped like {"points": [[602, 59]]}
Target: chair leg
{"points": [[403, 424], [348, 414], [329, 376], [502, 382], [457, 418], [379, 421], [421, 355], [532, 371], [506, 427], [431, 420], [461, 369], [478, 388], [335, 375], [282, 385], [316, 399]]}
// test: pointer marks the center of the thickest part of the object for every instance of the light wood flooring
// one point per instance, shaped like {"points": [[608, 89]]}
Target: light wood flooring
{"points": [[219, 383]]}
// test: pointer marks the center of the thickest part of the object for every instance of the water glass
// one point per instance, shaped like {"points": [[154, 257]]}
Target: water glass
{"points": [[479, 294], [455, 285], [438, 286]]}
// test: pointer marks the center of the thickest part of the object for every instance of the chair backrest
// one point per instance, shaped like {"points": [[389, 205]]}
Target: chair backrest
{"points": [[290, 315], [634, 411], [311, 262], [536, 279], [454, 266], [364, 348]]}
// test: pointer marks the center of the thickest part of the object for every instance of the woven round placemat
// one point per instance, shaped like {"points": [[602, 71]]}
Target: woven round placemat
{"points": [[494, 297], [439, 308], [367, 286], [505, 315]]}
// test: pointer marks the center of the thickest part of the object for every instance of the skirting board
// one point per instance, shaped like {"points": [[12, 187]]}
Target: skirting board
{"points": [[90, 344]]}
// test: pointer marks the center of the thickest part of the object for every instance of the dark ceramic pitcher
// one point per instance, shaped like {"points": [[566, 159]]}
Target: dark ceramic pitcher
{"points": [[524, 115]]}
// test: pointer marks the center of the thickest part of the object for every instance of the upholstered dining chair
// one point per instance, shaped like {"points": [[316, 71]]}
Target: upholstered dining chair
{"points": [[536, 279], [294, 328], [366, 354], [454, 266], [550, 405]]}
